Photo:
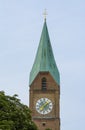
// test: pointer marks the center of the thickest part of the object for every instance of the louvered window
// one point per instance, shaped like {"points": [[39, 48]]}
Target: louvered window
{"points": [[44, 87]]}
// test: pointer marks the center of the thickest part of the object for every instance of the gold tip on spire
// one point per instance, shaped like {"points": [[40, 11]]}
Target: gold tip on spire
{"points": [[45, 14]]}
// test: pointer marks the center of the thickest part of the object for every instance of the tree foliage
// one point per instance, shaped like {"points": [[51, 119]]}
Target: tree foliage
{"points": [[48, 129], [14, 115]]}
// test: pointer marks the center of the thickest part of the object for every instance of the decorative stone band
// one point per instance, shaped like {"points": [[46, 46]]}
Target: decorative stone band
{"points": [[41, 118]]}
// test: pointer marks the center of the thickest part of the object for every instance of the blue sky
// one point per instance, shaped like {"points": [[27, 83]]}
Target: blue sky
{"points": [[21, 23]]}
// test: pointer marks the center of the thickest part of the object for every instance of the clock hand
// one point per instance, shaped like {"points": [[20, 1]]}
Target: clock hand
{"points": [[42, 107]]}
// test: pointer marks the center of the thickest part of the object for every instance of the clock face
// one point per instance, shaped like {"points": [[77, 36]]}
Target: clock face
{"points": [[44, 106]]}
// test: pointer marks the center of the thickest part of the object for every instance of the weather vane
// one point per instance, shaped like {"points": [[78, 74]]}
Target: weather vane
{"points": [[45, 14]]}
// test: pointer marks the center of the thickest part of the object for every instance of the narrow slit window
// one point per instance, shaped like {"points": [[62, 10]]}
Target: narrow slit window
{"points": [[44, 123], [44, 87]]}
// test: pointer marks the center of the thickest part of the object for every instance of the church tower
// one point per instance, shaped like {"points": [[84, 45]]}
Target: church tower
{"points": [[44, 86]]}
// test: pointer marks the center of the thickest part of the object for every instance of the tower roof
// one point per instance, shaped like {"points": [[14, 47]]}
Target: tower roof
{"points": [[44, 61]]}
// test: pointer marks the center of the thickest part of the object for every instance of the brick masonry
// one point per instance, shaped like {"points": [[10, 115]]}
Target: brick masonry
{"points": [[52, 119]]}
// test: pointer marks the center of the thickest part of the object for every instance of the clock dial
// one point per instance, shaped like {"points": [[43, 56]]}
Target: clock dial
{"points": [[44, 106]]}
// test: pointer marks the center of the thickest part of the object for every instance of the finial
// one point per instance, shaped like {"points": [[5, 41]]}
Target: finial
{"points": [[45, 14]]}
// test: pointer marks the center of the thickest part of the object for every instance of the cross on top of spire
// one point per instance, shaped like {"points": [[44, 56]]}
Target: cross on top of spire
{"points": [[45, 14]]}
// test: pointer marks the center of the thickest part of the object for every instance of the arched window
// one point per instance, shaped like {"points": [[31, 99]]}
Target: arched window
{"points": [[44, 87]]}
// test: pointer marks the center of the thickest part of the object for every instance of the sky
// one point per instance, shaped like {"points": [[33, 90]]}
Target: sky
{"points": [[21, 23]]}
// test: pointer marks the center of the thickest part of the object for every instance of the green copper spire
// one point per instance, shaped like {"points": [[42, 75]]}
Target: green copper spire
{"points": [[44, 61]]}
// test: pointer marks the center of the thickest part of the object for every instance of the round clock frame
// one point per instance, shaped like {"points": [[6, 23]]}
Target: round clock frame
{"points": [[44, 106]]}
